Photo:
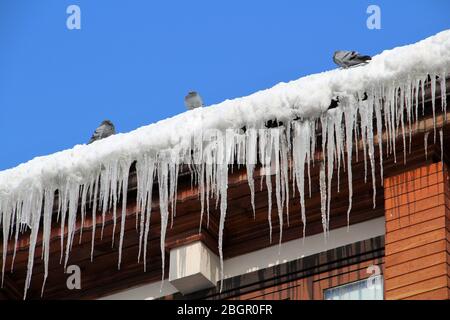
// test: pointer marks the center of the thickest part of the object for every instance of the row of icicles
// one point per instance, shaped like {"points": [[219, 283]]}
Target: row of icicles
{"points": [[289, 149]]}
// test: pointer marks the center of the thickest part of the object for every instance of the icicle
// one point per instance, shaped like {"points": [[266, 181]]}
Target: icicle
{"points": [[6, 221], [47, 227], [433, 103], [423, 94], [222, 183], [416, 104], [408, 97], [443, 94], [300, 147], [208, 174], [145, 171], [276, 136], [401, 108], [311, 152], [173, 174], [63, 203], [125, 169], [84, 192], [425, 144], [323, 198], [202, 192], [266, 144], [392, 119], [394, 103], [269, 206], [163, 177], [113, 200], [363, 115], [105, 187], [18, 210], [339, 142], [285, 154], [35, 206], [252, 138], [349, 118], [94, 214], [330, 160], [371, 150], [379, 134], [73, 190], [355, 135], [324, 125], [313, 140], [387, 123]]}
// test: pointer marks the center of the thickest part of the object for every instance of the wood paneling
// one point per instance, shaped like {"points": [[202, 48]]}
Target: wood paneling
{"points": [[417, 224], [302, 279], [313, 287]]}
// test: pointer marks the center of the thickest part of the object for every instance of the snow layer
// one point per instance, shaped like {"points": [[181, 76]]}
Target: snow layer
{"points": [[99, 172]]}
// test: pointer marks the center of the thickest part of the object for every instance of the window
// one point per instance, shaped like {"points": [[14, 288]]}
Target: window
{"points": [[368, 289]]}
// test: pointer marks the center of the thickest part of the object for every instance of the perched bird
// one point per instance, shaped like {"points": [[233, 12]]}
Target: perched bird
{"points": [[346, 59], [193, 101], [105, 129]]}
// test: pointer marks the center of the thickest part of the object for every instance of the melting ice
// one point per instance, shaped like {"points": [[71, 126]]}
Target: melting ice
{"points": [[378, 102]]}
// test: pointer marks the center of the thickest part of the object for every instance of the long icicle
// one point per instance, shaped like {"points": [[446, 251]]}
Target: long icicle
{"points": [[106, 185]]}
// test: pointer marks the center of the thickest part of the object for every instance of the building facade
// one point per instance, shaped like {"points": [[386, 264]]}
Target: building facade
{"points": [[398, 249]]}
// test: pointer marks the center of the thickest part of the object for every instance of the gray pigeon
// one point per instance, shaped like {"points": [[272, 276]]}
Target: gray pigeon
{"points": [[193, 101], [106, 129], [346, 59]]}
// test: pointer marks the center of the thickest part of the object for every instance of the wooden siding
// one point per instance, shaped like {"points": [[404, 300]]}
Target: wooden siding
{"points": [[302, 279], [417, 234], [313, 287]]}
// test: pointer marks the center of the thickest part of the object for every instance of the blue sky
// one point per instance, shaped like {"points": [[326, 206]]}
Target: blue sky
{"points": [[134, 61]]}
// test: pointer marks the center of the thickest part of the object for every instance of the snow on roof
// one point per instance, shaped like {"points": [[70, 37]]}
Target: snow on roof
{"points": [[307, 97], [96, 170]]}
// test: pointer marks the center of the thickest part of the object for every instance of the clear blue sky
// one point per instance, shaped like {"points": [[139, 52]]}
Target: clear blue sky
{"points": [[134, 61]]}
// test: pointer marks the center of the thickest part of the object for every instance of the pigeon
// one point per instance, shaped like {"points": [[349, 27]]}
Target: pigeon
{"points": [[193, 101], [346, 59], [105, 129]]}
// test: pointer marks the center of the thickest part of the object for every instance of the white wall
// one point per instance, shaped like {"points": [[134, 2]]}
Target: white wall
{"points": [[193, 267], [270, 256]]}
